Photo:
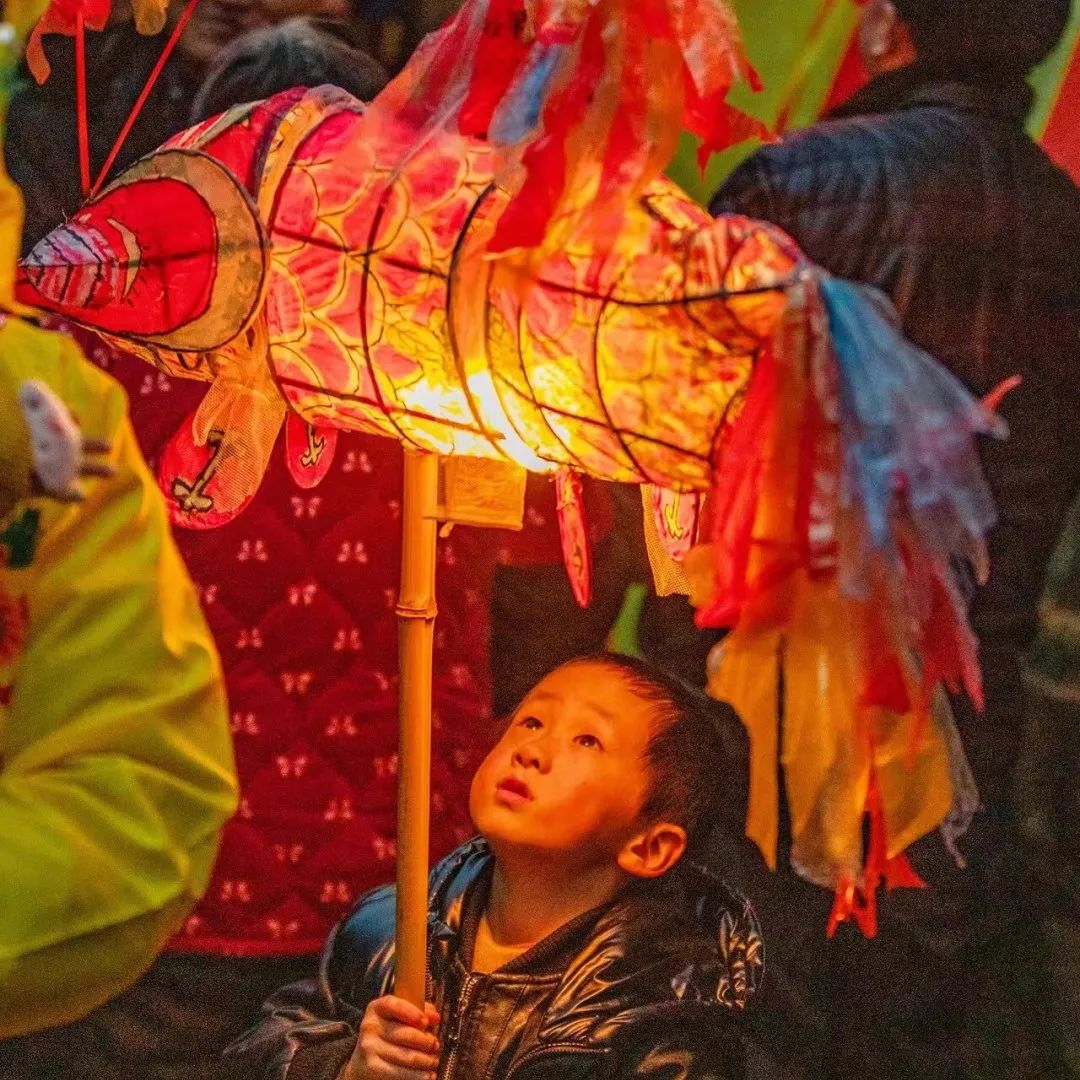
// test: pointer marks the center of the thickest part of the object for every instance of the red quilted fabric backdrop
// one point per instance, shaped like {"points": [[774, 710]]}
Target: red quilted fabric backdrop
{"points": [[299, 591]]}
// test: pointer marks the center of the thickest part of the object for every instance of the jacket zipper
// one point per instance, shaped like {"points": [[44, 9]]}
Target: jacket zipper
{"points": [[550, 1050], [464, 1000]]}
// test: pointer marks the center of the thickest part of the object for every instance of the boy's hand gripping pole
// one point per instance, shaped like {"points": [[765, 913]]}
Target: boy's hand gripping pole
{"points": [[416, 622]]}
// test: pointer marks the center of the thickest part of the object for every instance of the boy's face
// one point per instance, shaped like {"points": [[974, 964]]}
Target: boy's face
{"points": [[569, 777]]}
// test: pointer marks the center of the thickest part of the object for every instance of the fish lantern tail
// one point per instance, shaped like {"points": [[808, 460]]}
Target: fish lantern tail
{"points": [[583, 103], [846, 495]]}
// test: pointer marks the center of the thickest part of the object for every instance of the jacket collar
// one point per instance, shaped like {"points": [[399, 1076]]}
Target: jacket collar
{"points": [[685, 939], [462, 911], [915, 86]]}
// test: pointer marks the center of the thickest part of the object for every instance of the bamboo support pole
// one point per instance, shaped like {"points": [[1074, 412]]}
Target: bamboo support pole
{"points": [[416, 623]]}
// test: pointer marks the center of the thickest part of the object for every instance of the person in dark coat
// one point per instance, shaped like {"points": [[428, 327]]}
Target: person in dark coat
{"points": [[926, 185], [575, 940], [305, 51]]}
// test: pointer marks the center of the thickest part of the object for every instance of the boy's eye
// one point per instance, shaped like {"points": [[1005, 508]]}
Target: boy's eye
{"points": [[590, 742], [531, 723]]}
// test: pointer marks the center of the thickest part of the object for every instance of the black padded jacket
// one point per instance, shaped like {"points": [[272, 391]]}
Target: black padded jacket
{"points": [[933, 192], [650, 986]]}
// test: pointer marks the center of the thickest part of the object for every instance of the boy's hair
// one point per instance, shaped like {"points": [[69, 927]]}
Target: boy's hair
{"points": [[688, 755], [988, 40], [297, 52]]}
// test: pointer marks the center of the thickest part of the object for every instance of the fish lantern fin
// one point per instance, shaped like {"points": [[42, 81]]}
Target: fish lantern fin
{"points": [[574, 534], [678, 518], [61, 17], [672, 528], [309, 450], [212, 467]]}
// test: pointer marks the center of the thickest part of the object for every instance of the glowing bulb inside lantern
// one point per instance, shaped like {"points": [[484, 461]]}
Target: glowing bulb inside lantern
{"points": [[482, 389]]}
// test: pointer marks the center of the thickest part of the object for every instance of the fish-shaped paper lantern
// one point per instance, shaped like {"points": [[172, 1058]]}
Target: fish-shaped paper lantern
{"points": [[371, 297], [71, 17], [486, 262]]}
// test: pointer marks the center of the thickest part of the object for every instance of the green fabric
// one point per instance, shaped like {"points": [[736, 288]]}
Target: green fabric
{"points": [[624, 634], [1049, 75], [116, 766], [1054, 661], [797, 47]]}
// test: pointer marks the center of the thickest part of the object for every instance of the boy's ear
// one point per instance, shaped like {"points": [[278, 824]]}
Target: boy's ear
{"points": [[653, 852]]}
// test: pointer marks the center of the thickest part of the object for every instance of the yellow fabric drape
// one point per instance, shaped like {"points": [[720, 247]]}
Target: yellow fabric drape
{"points": [[117, 769], [829, 745]]}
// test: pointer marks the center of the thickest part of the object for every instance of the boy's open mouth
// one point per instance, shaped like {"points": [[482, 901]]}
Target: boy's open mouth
{"points": [[513, 790]]}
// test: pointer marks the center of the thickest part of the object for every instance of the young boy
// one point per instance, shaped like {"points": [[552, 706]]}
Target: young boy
{"points": [[573, 940]]}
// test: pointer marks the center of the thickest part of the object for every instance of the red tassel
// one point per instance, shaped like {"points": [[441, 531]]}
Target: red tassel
{"points": [[859, 902], [733, 501], [499, 55], [993, 400], [900, 874], [81, 117], [857, 905], [577, 550]]}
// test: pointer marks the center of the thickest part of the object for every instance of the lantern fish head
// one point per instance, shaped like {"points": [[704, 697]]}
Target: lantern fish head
{"points": [[122, 267]]}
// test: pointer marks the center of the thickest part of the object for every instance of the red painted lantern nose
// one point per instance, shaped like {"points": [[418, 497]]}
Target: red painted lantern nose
{"points": [[72, 267]]}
